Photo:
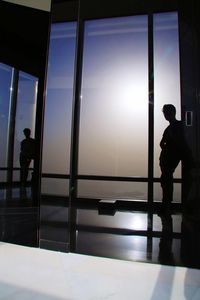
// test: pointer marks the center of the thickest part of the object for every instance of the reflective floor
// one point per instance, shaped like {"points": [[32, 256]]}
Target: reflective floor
{"points": [[173, 239], [18, 217], [121, 234]]}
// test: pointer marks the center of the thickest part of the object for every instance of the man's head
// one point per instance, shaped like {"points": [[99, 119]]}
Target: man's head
{"points": [[27, 132], [169, 112]]}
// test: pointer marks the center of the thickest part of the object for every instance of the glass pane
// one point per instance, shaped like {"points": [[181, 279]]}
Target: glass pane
{"points": [[16, 175], [109, 189], [114, 108], [55, 186], [58, 108], [176, 193], [3, 176], [5, 89], [166, 76], [26, 109]]}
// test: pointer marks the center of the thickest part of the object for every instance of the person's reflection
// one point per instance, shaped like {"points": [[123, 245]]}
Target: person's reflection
{"points": [[190, 241], [165, 246], [27, 153], [23, 194]]}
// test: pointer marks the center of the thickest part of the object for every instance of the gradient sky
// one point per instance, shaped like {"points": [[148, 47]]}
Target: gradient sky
{"points": [[114, 94], [5, 80]]}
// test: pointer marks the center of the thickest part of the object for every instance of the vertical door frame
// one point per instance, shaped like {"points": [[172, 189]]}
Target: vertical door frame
{"points": [[11, 124], [73, 181]]}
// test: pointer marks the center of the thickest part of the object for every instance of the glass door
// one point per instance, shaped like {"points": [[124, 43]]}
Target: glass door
{"points": [[130, 70], [103, 125], [112, 154], [116, 125], [167, 88], [57, 136]]}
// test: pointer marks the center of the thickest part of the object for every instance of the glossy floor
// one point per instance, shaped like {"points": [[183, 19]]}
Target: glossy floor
{"points": [[121, 234], [172, 239]]}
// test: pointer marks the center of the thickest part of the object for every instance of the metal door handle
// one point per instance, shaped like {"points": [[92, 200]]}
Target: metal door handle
{"points": [[189, 118]]}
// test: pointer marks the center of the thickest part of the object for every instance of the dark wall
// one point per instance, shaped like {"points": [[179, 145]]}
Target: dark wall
{"points": [[114, 8], [23, 37], [64, 10]]}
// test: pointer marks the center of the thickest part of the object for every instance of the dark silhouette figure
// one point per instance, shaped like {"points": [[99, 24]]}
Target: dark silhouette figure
{"points": [[174, 149], [26, 155]]}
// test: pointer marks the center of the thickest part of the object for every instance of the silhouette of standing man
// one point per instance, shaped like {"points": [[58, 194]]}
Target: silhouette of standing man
{"points": [[26, 155], [174, 149]]}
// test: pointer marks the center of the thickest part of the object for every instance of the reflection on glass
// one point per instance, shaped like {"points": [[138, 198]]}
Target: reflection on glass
{"points": [[166, 76], [5, 91], [176, 222], [58, 108], [26, 110], [114, 116], [110, 189]]}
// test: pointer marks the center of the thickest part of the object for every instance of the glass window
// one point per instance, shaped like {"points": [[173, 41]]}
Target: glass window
{"points": [[166, 76], [176, 193], [112, 189], [55, 186], [58, 107], [114, 108], [26, 110], [5, 89]]}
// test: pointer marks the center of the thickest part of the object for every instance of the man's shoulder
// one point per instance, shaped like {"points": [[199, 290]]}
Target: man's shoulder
{"points": [[23, 141], [179, 126], [176, 125]]}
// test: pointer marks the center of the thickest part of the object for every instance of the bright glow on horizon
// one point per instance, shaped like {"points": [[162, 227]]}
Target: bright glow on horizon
{"points": [[131, 99]]}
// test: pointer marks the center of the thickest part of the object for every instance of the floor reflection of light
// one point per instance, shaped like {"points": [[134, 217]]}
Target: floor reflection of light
{"points": [[137, 223]]}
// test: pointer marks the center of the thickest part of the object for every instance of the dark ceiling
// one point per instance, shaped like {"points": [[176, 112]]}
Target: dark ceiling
{"points": [[59, 1]]}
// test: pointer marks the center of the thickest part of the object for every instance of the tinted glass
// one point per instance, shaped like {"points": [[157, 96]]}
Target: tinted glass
{"points": [[58, 108], [166, 76], [5, 93], [26, 110], [114, 108]]}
